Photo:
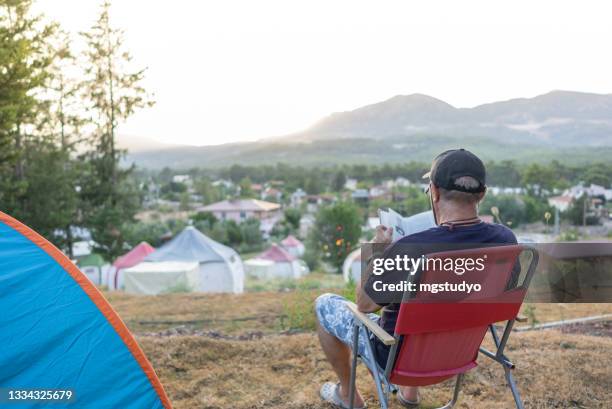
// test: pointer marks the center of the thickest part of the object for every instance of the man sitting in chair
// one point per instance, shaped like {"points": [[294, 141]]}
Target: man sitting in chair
{"points": [[456, 187]]}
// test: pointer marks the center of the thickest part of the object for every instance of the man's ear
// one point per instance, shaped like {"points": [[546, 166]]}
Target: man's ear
{"points": [[482, 195], [435, 193]]}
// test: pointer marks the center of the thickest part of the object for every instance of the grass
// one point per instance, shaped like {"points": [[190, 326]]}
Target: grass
{"points": [[235, 351]]}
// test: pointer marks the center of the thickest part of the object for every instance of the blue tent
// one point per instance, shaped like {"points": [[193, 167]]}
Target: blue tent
{"points": [[58, 332]]}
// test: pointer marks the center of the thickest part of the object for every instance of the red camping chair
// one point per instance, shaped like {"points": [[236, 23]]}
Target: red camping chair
{"points": [[438, 336]]}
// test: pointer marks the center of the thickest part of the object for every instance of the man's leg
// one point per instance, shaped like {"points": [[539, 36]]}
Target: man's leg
{"points": [[410, 393], [339, 356], [337, 352]]}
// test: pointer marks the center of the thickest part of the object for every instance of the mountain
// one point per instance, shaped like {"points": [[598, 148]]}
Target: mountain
{"points": [[569, 126]]}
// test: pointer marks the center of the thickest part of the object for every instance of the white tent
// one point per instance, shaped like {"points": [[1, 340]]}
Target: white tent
{"points": [[161, 277], [259, 268], [285, 265], [293, 246], [351, 268], [220, 270]]}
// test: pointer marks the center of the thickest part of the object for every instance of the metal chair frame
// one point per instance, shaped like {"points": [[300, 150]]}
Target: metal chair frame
{"points": [[363, 326]]}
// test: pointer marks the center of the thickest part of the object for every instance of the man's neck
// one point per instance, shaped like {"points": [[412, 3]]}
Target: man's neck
{"points": [[456, 213]]}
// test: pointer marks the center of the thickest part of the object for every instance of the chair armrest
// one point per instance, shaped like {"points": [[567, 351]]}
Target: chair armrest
{"points": [[371, 325], [521, 318]]}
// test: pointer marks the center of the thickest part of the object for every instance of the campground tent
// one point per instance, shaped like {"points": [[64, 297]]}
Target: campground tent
{"points": [[58, 331], [220, 267], [259, 268], [94, 267], [161, 277], [285, 265], [129, 259], [351, 268], [293, 246]]}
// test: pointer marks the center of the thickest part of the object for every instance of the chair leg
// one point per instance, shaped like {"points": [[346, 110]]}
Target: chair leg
{"points": [[455, 398], [352, 388], [382, 396], [513, 388]]}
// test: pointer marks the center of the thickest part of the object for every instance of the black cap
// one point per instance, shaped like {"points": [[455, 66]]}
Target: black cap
{"points": [[450, 165]]}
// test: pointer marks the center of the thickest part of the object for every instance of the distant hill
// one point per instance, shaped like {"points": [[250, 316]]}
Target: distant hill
{"points": [[569, 126]]}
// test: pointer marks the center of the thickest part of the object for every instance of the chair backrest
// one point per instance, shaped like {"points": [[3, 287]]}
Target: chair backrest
{"points": [[441, 332]]}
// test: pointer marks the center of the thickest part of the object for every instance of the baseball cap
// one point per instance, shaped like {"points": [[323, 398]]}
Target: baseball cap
{"points": [[450, 165]]}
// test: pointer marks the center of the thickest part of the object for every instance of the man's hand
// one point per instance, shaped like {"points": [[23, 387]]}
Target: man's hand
{"points": [[383, 235]]}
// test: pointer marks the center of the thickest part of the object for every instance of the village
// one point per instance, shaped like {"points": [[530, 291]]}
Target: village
{"points": [[260, 232]]}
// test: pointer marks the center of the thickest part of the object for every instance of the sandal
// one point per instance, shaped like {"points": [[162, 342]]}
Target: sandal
{"points": [[412, 404], [330, 393]]}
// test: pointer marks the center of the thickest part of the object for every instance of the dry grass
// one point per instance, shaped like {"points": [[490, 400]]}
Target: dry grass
{"points": [[554, 370], [273, 370]]}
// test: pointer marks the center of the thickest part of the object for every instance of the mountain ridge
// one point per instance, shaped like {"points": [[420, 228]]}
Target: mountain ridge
{"points": [[410, 127]]}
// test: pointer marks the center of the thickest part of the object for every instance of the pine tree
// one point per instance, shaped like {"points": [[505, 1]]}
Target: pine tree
{"points": [[113, 94], [24, 62], [62, 133]]}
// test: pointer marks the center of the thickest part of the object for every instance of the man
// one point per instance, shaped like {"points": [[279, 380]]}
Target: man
{"points": [[457, 185]]}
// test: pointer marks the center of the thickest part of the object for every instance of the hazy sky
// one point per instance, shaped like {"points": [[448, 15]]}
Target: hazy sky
{"points": [[224, 71]]}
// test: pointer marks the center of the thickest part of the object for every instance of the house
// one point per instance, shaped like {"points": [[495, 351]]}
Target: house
{"points": [[184, 179], [297, 197], [306, 223], [562, 203], [242, 209], [270, 193], [378, 191], [360, 195], [350, 184], [227, 184], [592, 191], [314, 201], [402, 182]]}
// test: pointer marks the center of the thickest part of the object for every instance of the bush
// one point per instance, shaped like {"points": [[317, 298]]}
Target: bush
{"points": [[336, 232]]}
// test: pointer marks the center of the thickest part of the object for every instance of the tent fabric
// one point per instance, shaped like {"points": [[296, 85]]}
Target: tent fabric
{"points": [[351, 267], [58, 331], [92, 259], [221, 268], [285, 265], [130, 259], [293, 246], [192, 245], [291, 241], [158, 277], [277, 254], [134, 256], [94, 267], [259, 268]]}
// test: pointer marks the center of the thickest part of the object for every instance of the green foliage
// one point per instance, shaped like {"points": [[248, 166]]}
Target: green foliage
{"points": [[204, 188], [152, 233], [312, 258], [246, 189], [515, 210], [569, 235], [530, 312], [335, 233], [293, 217], [205, 217], [298, 311], [578, 213], [185, 201], [339, 181], [110, 95]]}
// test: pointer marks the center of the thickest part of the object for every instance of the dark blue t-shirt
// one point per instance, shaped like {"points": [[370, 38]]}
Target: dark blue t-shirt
{"points": [[434, 240]]}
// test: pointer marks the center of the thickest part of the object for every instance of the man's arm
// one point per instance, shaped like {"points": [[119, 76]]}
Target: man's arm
{"points": [[364, 302]]}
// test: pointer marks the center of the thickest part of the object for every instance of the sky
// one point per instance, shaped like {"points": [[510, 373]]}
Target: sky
{"points": [[230, 70]]}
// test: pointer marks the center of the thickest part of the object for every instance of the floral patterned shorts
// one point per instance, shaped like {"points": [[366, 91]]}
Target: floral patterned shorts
{"points": [[337, 320]]}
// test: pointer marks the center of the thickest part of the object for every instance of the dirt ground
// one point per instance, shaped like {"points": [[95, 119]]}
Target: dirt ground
{"points": [[234, 352]]}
